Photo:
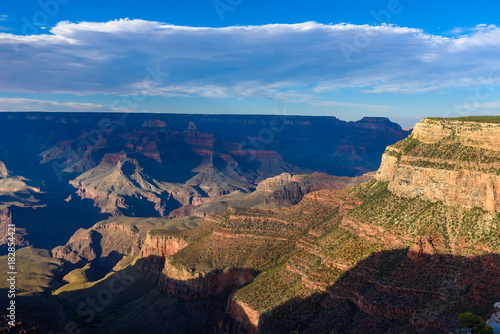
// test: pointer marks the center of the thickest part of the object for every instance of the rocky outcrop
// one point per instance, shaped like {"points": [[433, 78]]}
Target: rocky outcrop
{"points": [[456, 188], [119, 185], [287, 189], [81, 247], [161, 244], [6, 230], [468, 133], [3, 170], [104, 243], [218, 283], [455, 162]]}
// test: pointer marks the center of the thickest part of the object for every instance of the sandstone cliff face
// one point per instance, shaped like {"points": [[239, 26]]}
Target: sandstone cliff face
{"points": [[456, 188], [161, 245], [474, 134], [455, 162]]}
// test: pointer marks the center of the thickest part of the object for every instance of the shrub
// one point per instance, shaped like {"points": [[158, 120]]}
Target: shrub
{"points": [[473, 324]]}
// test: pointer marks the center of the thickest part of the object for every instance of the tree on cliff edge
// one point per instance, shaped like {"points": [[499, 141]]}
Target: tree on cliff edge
{"points": [[473, 324]]}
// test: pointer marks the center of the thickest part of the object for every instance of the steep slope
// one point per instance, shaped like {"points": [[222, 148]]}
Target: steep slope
{"points": [[118, 184]]}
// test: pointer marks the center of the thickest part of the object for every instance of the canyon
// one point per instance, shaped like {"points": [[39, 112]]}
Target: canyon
{"points": [[402, 250], [65, 171]]}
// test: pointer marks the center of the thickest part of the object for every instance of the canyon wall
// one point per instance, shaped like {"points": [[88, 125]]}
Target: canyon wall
{"points": [[455, 162], [469, 133], [163, 245]]}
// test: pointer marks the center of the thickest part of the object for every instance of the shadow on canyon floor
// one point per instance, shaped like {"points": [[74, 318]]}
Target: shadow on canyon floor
{"points": [[140, 299], [391, 292]]}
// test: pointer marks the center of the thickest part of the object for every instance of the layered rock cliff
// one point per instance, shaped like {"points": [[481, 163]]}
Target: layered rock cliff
{"points": [[161, 244], [287, 189], [453, 161], [107, 242]]}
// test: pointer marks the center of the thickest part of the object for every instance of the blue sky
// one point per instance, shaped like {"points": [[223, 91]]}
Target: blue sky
{"points": [[399, 59]]}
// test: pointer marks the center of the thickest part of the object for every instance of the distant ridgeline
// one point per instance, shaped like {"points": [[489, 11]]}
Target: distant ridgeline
{"points": [[323, 144], [77, 169]]}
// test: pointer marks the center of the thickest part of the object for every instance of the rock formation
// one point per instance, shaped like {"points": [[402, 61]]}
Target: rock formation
{"points": [[286, 190], [163, 245], [455, 162], [3, 170], [119, 185], [19, 235]]}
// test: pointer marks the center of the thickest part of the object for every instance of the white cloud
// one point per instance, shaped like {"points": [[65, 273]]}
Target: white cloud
{"points": [[287, 62], [22, 104], [370, 107], [470, 106], [3, 17]]}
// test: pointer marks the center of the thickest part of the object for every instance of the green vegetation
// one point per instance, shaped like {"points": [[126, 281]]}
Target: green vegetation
{"points": [[408, 144], [37, 271], [473, 324], [396, 154], [80, 275], [412, 217], [480, 119], [448, 154], [345, 247], [156, 225]]}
